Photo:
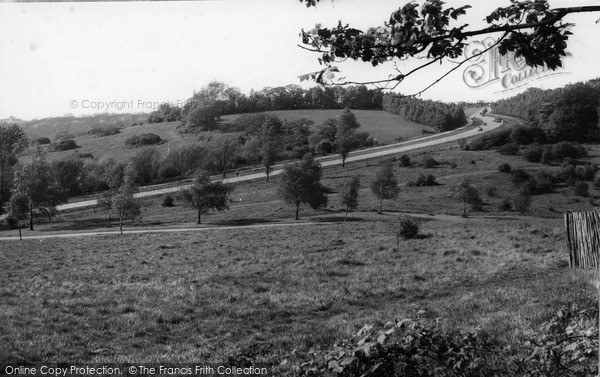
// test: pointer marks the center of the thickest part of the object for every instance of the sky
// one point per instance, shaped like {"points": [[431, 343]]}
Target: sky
{"points": [[85, 58]]}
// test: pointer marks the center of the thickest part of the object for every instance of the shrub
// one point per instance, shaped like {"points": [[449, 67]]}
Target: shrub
{"points": [[566, 345], [167, 171], [405, 161], [168, 201], [522, 200], [542, 183], [581, 189], [84, 155], [509, 149], [547, 155], [587, 172], [505, 168], [324, 147], [408, 228], [522, 135], [566, 149], [41, 141], [104, 131], [519, 176], [505, 205], [429, 162], [490, 140], [492, 191], [423, 180], [533, 153], [143, 139], [63, 145], [567, 173]]}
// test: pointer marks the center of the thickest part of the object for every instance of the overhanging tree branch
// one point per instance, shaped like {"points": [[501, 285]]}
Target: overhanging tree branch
{"points": [[531, 30]]}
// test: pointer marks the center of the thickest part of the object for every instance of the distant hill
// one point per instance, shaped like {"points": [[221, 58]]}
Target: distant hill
{"points": [[69, 126]]}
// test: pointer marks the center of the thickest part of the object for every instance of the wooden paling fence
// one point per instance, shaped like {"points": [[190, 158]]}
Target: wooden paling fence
{"points": [[583, 238], [583, 241]]}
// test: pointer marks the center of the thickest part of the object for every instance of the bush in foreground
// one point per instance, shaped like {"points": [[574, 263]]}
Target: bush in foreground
{"points": [[408, 228], [565, 345]]}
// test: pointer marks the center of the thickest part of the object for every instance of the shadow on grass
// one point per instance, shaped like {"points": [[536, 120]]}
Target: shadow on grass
{"points": [[335, 219], [242, 222], [80, 224]]}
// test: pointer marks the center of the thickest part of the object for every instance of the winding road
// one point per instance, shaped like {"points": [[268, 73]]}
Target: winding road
{"points": [[363, 154]]}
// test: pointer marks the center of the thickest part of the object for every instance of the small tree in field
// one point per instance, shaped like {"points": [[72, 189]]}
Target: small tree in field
{"points": [[270, 139], [468, 194], [35, 182], [385, 185], [345, 135], [301, 183], [123, 204], [205, 195], [18, 208], [349, 195]]}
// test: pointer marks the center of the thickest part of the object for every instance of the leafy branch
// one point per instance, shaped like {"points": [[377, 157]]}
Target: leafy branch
{"points": [[531, 30]]}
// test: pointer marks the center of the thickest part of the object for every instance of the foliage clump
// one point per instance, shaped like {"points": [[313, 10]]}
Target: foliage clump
{"points": [[408, 228], [423, 180], [565, 345], [142, 139], [63, 145], [504, 168]]}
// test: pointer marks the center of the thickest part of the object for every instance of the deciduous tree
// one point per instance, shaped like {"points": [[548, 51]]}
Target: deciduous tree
{"points": [[349, 195], [385, 185], [36, 183], [123, 204], [205, 195], [301, 183], [468, 194], [345, 135], [528, 28], [18, 208], [270, 137], [12, 142]]}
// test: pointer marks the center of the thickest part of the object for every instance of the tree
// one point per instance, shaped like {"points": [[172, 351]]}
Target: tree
{"points": [[345, 135], [468, 194], [224, 154], [35, 182], [385, 185], [301, 183], [12, 142], [69, 174], [349, 195], [270, 135], [123, 204], [529, 29], [18, 208], [144, 165], [205, 195]]}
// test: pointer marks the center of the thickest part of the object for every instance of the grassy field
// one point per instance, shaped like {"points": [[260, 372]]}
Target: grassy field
{"points": [[267, 294], [262, 293], [114, 145]]}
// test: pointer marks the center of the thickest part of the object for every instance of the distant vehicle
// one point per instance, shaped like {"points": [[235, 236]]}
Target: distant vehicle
{"points": [[485, 123], [480, 129]]}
